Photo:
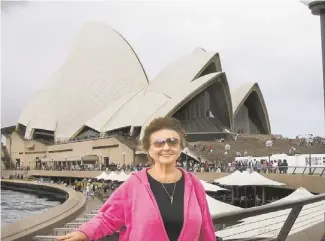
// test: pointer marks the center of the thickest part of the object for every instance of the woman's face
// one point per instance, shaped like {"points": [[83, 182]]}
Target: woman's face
{"points": [[165, 146]]}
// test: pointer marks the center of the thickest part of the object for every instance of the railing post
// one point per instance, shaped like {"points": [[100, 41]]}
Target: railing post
{"points": [[294, 170], [323, 238], [304, 171], [322, 172], [285, 230], [314, 170]]}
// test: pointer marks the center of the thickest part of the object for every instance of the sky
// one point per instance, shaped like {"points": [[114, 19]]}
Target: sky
{"points": [[274, 43]]}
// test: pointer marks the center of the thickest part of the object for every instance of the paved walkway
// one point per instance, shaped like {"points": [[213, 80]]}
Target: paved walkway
{"points": [[313, 233], [92, 204]]}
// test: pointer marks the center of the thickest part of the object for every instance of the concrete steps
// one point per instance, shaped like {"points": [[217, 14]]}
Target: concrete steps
{"points": [[254, 145], [67, 228]]}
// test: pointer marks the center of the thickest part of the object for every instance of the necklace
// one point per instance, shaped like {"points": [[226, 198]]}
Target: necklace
{"points": [[170, 196]]}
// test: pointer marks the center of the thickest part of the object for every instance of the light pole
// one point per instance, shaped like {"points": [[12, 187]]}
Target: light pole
{"points": [[123, 154], [100, 161], [269, 144], [227, 148], [318, 8], [186, 150]]}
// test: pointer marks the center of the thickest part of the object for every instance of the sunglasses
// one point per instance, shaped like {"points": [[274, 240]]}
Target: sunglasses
{"points": [[159, 143]]}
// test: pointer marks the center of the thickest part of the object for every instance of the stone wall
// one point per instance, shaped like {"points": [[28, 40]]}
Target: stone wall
{"points": [[43, 223]]}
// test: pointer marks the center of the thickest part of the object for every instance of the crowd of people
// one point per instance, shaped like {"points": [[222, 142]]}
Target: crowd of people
{"points": [[263, 166], [191, 165]]}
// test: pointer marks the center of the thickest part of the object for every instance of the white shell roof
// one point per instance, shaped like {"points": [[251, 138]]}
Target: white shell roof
{"points": [[38, 115], [183, 71], [101, 67], [103, 85], [184, 95], [131, 112], [163, 95], [240, 95]]}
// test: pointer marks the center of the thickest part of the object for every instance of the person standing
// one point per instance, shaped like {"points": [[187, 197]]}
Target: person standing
{"points": [[161, 202]]}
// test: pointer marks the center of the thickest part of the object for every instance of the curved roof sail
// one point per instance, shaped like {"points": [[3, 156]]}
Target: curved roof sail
{"points": [[250, 95], [102, 86], [184, 71], [188, 92], [100, 68]]}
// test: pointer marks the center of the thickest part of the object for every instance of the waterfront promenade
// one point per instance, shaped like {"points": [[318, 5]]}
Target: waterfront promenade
{"points": [[312, 183]]}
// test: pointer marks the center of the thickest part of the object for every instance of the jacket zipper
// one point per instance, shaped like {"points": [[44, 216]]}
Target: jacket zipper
{"points": [[158, 212], [185, 216]]}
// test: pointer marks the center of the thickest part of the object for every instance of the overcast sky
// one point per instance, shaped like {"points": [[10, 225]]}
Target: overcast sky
{"points": [[274, 43]]}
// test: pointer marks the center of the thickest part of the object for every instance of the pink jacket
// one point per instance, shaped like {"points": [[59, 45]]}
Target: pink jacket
{"points": [[132, 209]]}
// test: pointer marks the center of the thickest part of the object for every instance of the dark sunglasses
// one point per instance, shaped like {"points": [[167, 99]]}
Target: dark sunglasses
{"points": [[159, 143]]}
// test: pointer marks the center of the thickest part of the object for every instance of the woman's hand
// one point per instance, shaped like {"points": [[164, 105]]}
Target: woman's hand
{"points": [[74, 236]]}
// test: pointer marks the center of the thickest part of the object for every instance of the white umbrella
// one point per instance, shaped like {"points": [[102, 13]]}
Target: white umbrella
{"points": [[122, 176], [103, 175], [212, 188], [311, 214], [259, 179], [232, 179], [112, 176], [247, 179], [217, 207]]}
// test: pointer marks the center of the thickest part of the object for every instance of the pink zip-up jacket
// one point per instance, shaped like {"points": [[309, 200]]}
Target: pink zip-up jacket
{"points": [[133, 211]]}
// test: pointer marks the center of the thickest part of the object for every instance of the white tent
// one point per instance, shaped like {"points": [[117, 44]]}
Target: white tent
{"points": [[232, 179], [122, 176], [212, 188], [112, 176], [103, 175], [296, 195], [245, 178], [268, 225], [217, 207], [258, 178]]}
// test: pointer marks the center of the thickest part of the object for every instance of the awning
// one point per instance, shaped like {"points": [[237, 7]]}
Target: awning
{"points": [[73, 158], [45, 159], [212, 188], [245, 178], [217, 207], [90, 158]]}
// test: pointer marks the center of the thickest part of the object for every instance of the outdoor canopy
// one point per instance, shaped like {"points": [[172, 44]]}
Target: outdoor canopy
{"points": [[217, 207], [268, 225], [245, 178], [212, 188], [103, 175]]}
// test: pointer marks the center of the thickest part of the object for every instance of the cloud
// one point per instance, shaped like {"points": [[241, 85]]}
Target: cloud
{"points": [[274, 43]]}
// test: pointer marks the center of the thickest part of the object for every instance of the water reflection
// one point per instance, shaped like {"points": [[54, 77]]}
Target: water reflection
{"points": [[17, 205]]}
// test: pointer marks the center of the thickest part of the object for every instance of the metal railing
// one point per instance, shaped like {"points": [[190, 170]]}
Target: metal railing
{"points": [[277, 231], [302, 170], [311, 215]]}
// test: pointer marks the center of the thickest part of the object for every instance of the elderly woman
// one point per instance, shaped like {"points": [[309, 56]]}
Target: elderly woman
{"points": [[159, 203]]}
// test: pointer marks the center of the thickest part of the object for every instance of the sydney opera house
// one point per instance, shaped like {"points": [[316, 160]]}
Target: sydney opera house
{"points": [[102, 91]]}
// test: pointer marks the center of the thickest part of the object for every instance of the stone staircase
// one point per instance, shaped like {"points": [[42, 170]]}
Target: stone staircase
{"points": [[70, 227], [254, 145]]}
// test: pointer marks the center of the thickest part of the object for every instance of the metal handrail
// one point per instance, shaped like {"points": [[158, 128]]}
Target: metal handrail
{"points": [[272, 207]]}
